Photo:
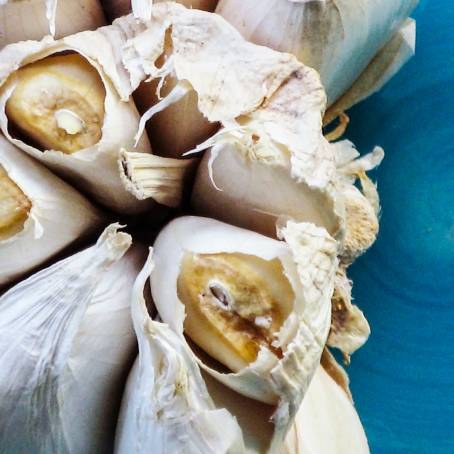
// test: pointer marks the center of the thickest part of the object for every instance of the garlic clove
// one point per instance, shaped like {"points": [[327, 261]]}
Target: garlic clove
{"points": [[33, 19], [235, 185], [306, 261], [326, 422], [99, 121], [66, 344], [39, 213], [14, 206], [386, 63], [58, 102]]}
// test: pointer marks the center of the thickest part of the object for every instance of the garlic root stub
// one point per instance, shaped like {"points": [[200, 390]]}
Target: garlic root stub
{"points": [[26, 19], [14, 206], [58, 103], [235, 303]]}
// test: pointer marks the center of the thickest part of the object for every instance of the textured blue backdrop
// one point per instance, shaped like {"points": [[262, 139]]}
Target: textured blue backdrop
{"points": [[403, 379]]}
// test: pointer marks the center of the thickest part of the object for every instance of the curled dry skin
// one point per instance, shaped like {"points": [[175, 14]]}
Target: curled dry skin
{"points": [[14, 206], [58, 103], [235, 305]]}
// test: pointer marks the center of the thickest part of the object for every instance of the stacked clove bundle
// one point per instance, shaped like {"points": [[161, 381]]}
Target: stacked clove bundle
{"points": [[234, 312]]}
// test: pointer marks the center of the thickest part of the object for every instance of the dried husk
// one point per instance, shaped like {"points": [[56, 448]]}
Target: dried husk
{"points": [[178, 128], [100, 169], [326, 421], [66, 345], [337, 38], [33, 19], [349, 327], [58, 215], [173, 406]]}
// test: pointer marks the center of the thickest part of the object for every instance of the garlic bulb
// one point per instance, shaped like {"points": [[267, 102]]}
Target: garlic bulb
{"points": [[337, 38], [249, 302], [39, 213], [66, 343], [259, 306], [326, 422], [67, 104], [33, 19]]}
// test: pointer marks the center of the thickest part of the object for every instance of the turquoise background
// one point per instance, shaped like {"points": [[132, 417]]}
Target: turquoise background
{"points": [[403, 379]]}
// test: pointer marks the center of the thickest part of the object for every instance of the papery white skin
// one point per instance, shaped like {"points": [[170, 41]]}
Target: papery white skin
{"points": [[34, 19], [308, 257], [66, 344], [326, 421], [385, 65], [97, 169], [166, 407], [362, 206], [338, 38], [59, 215]]}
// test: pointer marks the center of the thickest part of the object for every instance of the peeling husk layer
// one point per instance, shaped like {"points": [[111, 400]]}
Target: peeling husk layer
{"points": [[66, 345], [274, 385], [100, 168], [33, 19], [40, 214], [337, 38]]}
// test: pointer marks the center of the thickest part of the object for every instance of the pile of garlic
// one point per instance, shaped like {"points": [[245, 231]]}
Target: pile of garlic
{"points": [[212, 150]]}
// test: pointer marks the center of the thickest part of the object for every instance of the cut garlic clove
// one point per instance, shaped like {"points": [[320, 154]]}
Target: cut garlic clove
{"points": [[171, 378], [14, 207], [39, 213], [58, 102], [235, 304], [258, 306], [166, 381]]}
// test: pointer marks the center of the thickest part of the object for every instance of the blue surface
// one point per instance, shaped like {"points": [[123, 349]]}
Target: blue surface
{"points": [[403, 379]]}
